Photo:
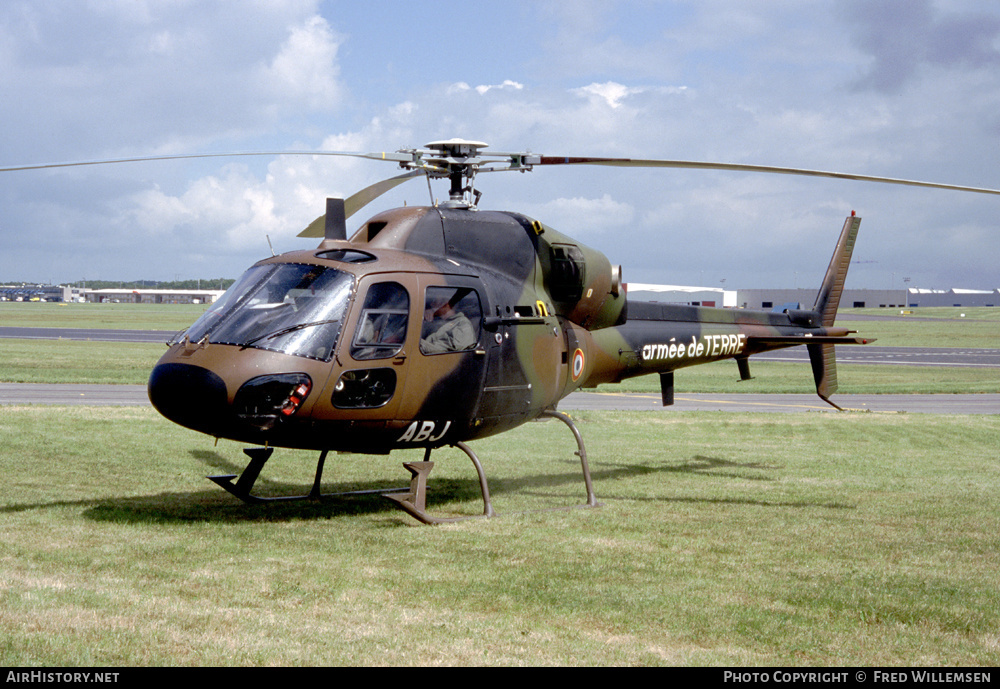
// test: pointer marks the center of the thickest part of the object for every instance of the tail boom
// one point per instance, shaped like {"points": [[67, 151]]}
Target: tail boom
{"points": [[661, 338]]}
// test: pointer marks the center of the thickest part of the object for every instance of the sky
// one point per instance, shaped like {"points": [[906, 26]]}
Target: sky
{"points": [[899, 88]]}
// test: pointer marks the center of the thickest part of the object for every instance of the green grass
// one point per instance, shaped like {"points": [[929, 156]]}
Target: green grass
{"points": [[930, 327], [981, 313], [170, 317], [724, 539], [71, 361]]}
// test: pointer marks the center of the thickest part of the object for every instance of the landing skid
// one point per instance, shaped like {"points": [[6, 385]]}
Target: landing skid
{"points": [[412, 500], [258, 457]]}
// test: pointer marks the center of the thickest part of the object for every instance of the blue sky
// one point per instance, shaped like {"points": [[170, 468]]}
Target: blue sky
{"points": [[903, 88]]}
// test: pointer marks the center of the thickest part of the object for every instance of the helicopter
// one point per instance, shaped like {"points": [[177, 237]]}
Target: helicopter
{"points": [[433, 326]]}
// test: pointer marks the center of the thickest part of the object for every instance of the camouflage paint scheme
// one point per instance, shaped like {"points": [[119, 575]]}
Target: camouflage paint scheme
{"points": [[554, 318]]}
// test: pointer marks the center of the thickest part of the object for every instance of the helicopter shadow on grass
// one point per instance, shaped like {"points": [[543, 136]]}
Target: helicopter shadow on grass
{"points": [[216, 506], [606, 477], [213, 505], [718, 468], [220, 507]]}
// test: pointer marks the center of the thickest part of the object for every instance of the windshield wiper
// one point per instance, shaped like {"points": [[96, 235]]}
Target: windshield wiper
{"points": [[285, 331]]}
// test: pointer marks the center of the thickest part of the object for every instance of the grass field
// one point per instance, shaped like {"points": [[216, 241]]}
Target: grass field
{"points": [[724, 539], [170, 317], [928, 327], [853, 539]]}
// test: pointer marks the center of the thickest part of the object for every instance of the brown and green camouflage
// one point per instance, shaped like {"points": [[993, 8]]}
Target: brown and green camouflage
{"points": [[323, 349]]}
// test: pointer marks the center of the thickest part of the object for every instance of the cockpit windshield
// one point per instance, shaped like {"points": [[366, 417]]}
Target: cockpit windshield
{"points": [[283, 307]]}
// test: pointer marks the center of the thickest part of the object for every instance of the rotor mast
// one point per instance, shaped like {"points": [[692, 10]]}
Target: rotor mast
{"points": [[460, 160]]}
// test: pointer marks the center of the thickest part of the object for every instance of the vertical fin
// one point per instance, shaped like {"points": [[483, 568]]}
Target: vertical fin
{"points": [[823, 356], [828, 299]]}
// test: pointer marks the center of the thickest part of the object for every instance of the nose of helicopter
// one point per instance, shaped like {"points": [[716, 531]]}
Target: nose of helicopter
{"points": [[189, 395]]}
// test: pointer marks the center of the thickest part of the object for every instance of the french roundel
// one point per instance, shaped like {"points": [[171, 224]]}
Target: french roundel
{"points": [[577, 364]]}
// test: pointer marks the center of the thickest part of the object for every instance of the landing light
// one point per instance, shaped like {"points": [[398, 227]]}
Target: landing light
{"points": [[291, 405], [262, 401]]}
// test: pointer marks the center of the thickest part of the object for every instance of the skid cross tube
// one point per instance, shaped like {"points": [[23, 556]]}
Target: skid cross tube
{"points": [[258, 457], [414, 502]]}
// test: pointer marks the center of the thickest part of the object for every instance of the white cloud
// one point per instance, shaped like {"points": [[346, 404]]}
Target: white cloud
{"points": [[305, 72], [506, 85], [483, 89], [610, 92], [699, 81], [614, 94]]}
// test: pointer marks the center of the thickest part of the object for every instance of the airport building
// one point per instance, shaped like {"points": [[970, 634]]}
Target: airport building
{"points": [[677, 294], [61, 293], [953, 297], [768, 299], [870, 298], [25, 292], [153, 296]]}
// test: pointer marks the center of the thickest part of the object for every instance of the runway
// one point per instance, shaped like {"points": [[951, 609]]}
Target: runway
{"points": [[135, 395], [91, 334]]}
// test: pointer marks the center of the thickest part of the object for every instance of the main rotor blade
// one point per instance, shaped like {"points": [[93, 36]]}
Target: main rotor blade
{"points": [[357, 201], [694, 165], [393, 157]]}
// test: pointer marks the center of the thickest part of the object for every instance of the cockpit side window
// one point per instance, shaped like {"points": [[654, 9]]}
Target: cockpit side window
{"points": [[452, 320], [382, 327]]}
